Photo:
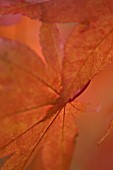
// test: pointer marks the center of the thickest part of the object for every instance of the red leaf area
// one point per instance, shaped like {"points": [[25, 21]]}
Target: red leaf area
{"points": [[39, 97], [61, 10]]}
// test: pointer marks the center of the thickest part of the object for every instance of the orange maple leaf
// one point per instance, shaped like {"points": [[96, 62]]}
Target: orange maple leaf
{"points": [[38, 98], [62, 10]]}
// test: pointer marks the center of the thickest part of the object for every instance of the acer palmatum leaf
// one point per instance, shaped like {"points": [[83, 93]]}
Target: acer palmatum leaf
{"points": [[62, 10], [33, 107], [50, 42], [93, 47], [21, 8], [16, 72]]}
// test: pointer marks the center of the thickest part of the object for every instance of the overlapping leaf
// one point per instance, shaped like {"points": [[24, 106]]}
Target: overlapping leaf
{"points": [[51, 48], [37, 115], [15, 74], [22, 124], [93, 47], [62, 10]]}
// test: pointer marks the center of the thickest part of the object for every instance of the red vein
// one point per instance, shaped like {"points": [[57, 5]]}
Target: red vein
{"points": [[76, 108], [41, 137], [63, 124], [90, 55], [23, 111], [36, 76], [80, 92], [34, 125], [62, 137]]}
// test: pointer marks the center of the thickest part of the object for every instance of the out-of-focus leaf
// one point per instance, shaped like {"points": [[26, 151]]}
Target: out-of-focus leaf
{"points": [[20, 65], [62, 10], [22, 8], [9, 19], [25, 32]]}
